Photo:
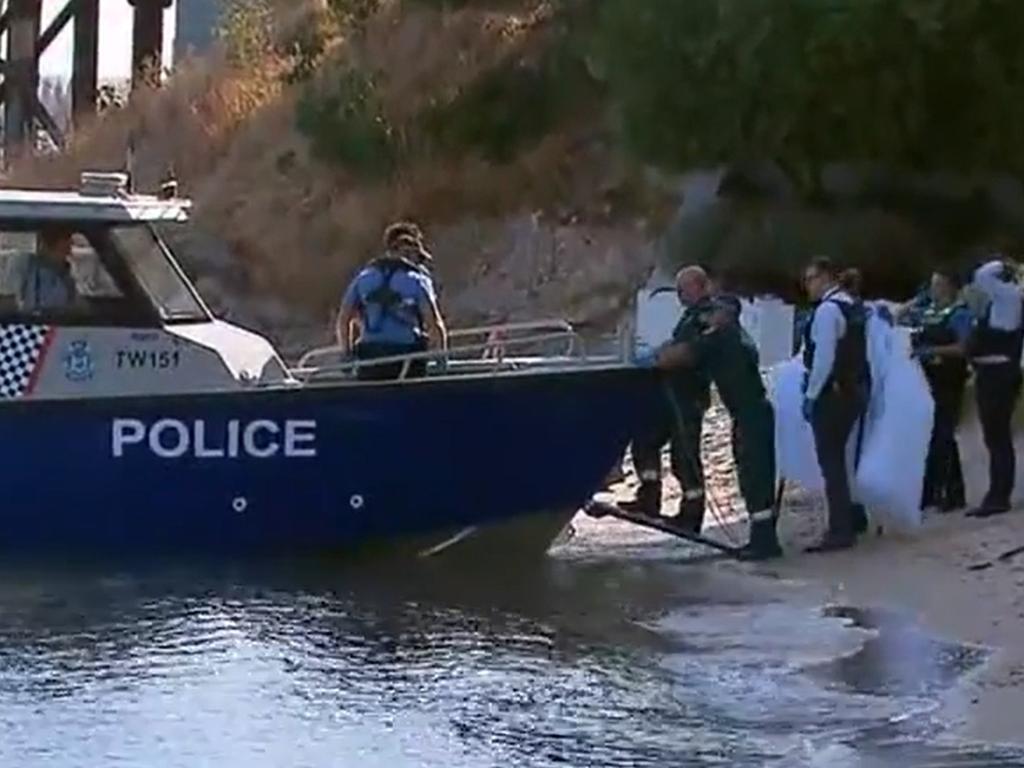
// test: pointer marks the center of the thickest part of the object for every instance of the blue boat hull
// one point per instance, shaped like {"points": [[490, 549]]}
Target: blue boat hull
{"points": [[310, 469]]}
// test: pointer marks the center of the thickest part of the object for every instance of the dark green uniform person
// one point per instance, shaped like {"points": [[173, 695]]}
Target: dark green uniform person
{"points": [[681, 423], [940, 343], [729, 357]]}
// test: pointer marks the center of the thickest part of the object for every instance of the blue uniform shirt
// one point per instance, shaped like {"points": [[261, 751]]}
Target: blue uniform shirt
{"points": [[42, 286], [400, 324], [918, 306], [960, 322]]}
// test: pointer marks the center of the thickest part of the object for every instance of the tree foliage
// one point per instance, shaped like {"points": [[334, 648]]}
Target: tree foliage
{"points": [[918, 84], [510, 106], [346, 125], [246, 28]]}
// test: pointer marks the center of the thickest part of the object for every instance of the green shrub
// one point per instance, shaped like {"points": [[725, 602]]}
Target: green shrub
{"points": [[305, 46], [513, 105], [353, 12], [454, 5], [346, 125]]}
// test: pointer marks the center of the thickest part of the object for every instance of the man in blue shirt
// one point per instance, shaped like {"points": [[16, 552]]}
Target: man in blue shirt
{"points": [[394, 302], [46, 282], [943, 327]]}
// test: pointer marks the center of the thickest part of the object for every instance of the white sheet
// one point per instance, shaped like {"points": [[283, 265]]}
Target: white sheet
{"points": [[897, 431], [891, 471]]}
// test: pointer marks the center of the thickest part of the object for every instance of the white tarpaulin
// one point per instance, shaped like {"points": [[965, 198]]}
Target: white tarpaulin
{"points": [[897, 430], [891, 471], [795, 457]]}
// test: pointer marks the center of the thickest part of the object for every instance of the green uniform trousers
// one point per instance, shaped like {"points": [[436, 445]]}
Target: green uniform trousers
{"points": [[753, 447]]}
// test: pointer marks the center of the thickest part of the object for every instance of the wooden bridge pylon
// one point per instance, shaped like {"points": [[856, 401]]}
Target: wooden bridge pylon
{"points": [[21, 26]]}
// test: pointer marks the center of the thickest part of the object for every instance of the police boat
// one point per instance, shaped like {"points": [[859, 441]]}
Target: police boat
{"points": [[135, 421]]}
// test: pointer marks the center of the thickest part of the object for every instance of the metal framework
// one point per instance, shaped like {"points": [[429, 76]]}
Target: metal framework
{"points": [[490, 349], [26, 41]]}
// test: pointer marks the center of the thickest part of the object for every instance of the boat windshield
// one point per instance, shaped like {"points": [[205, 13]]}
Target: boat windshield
{"points": [[161, 279]]}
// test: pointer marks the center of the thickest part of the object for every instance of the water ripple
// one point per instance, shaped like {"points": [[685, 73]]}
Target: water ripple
{"points": [[583, 665]]}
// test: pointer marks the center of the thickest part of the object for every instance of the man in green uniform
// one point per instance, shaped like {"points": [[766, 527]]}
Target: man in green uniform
{"points": [[682, 420], [728, 357]]}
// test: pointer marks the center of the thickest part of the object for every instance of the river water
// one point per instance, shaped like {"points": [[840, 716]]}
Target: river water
{"points": [[619, 650]]}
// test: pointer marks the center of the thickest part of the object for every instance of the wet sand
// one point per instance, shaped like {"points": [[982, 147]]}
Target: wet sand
{"points": [[947, 575]]}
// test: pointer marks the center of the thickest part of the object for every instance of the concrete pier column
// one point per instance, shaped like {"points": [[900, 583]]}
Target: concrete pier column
{"points": [[21, 78], [147, 37], [85, 63]]}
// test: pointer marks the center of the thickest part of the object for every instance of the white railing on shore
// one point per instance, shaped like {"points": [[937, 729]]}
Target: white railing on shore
{"points": [[482, 349]]}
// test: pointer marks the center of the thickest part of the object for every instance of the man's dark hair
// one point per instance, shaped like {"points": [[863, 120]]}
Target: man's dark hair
{"points": [[824, 265], [852, 282], [400, 230], [52, 234]]}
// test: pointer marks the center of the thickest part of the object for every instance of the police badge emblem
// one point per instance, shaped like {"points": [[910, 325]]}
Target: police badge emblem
{"points": [[78, 365]]}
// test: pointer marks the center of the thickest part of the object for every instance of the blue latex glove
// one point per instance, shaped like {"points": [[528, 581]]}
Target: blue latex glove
{"points": [[807, 409], [646, 359]]}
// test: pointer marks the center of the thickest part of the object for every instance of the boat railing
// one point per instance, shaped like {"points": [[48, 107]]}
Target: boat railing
{"points": [[482, 349]]}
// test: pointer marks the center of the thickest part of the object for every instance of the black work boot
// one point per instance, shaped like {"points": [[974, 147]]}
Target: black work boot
{"points": [[860, 519], [952, 504], [989, 510], [764, 541], [647, 500]]}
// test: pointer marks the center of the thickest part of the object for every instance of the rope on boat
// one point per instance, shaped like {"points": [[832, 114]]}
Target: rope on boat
{"points": [[713, 502]]}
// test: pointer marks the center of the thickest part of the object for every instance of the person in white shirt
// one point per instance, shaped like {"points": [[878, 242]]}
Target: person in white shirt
{"points": [[836, 390], [995, 353]]}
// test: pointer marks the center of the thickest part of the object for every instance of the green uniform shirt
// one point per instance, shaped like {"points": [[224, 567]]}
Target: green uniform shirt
{"points": [[728, 356], [692, 383]]}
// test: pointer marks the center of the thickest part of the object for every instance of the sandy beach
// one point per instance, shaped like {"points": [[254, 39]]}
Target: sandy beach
{"points": [[947, 575], [950, 578]]}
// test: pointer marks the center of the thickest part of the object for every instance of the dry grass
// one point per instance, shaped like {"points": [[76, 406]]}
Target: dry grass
{"points": [[187, 124], [299, 225]]}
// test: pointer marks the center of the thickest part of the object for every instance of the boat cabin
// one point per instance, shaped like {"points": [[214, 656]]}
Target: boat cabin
{"points": [[92, 302]]}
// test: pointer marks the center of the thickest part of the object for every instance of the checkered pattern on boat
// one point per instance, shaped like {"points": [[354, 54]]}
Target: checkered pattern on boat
{"points": [[21, 349]]}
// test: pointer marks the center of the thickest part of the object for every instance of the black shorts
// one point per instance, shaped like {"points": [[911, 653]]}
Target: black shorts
{"points": [[372, 350]]}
